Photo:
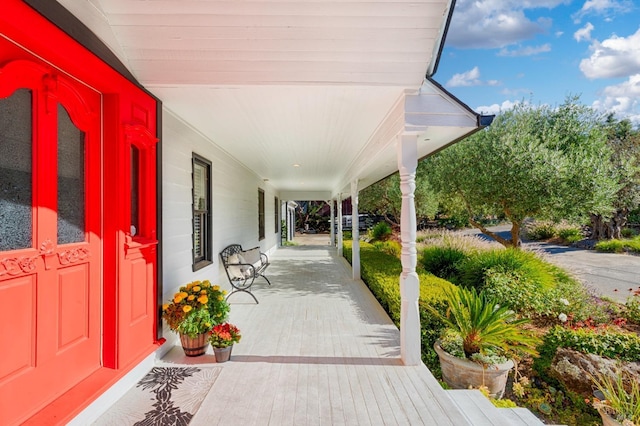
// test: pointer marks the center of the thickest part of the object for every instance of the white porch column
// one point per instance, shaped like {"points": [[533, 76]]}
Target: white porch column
{"points": [[355, 231], [409, 282], [340, 251], [332, 221]]}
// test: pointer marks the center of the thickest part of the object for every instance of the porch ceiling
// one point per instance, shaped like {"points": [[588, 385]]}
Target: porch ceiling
{"points": [[318, 84]]}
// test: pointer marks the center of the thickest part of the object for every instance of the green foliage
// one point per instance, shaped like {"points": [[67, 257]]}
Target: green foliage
{"points": [[452, 343], [473, 270], [539, 231], [196, 308], [442, 261], [385, 198], [629, 232], [632, 309], [604, 342], [380, 232], [483, 324], [518, 279], [503, 403], [567, 296], [554, 405], [619, 246], [531, 162], [392, 248], [570, 235], [545, 230]]}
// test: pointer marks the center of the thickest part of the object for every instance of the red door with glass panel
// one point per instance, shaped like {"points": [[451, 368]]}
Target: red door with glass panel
{"points": [[50, 219]]}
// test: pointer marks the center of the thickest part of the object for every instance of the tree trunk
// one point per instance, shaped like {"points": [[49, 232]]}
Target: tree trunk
{"points": [[602, 229], [498, 238]]}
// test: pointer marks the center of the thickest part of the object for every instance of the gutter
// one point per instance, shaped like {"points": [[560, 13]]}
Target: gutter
{"points": [[433, 66], [481, 120]]}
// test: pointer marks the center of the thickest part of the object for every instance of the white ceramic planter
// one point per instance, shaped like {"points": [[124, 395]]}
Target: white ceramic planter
{"points": [[461, 373]]}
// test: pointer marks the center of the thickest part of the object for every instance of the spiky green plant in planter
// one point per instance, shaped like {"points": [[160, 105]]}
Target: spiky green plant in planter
{"points": [[484, 325], [489, 334]]}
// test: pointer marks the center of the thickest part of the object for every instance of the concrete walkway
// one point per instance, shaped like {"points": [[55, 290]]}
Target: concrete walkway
{"points": [[606, 274]]}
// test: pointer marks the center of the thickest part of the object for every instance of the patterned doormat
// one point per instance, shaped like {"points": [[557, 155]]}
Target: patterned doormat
{"points": [[165, 396]]}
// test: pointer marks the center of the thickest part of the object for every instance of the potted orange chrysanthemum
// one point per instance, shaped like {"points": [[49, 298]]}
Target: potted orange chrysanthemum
{"points": [[193, 311]]}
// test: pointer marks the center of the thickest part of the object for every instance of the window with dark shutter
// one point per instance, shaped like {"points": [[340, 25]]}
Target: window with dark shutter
{"points": [[201, 176]]}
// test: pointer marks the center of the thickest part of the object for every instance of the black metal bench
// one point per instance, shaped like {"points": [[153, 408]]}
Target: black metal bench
{"points": [[243, 267]]}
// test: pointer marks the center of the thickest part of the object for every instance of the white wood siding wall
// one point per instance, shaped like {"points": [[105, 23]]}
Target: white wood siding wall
{"points": [[234, 200]]}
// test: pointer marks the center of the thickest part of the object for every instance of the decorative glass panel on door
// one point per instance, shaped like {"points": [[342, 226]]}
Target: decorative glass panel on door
{"points": [[15, 171], [71, 178], [135, 187]]}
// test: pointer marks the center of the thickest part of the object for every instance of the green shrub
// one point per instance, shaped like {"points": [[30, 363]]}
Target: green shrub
{"points": [[474, 268], [538, 231], [629, 232], [604, 342], [392, 248], [632, 309], [619, 246], [567, 296], [570, 235], [380, 232], [442, 261]]}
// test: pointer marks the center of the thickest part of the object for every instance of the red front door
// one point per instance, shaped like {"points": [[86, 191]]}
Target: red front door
{"points": [[50, 233]]}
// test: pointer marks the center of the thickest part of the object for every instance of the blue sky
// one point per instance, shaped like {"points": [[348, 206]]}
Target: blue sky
{"points": [[499, 52]]}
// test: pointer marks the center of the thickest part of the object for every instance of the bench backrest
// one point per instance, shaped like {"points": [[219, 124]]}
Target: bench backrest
{"points": [[228, 252]]}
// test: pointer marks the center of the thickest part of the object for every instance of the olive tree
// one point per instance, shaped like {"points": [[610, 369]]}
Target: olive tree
{"points": [[625, 145], [384, 197], [532, 161]]}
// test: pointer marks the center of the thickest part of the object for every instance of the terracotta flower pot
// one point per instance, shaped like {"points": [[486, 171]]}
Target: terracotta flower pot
{"points": [[461, 373]]}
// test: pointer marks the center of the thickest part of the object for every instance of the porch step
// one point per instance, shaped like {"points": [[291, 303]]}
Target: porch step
{"points": [[481, 412]]}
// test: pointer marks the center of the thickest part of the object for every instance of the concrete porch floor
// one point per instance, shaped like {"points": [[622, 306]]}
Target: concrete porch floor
{"points": [[319, 350]]}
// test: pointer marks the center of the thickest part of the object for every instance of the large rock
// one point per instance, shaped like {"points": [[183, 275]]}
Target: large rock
{"points": [[574, 369]]}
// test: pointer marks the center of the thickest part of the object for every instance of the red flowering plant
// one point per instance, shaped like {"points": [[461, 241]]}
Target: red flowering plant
{"points": [[224, 335], [196, 308]]}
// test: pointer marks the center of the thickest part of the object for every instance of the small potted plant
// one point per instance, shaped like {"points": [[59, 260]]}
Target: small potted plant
{"points": [[617, 399], [222, 338], [479, 340], [193, 311]]}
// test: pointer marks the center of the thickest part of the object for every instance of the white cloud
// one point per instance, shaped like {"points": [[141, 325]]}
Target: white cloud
{"points": [[622, 99], [614, 57], [496, 108], [496, 23], [584, 33], [525, 51], [470, 78], [603, 8]]}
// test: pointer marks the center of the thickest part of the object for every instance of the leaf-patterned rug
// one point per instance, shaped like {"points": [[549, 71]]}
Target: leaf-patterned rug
{"points": [[165, 396]]}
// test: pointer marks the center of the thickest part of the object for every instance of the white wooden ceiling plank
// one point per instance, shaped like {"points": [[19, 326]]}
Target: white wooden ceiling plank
{"points": [[243, 21], [258, 33], [301, 65], [153, 77], [209, 58], [413, 46], [269, 8]]}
